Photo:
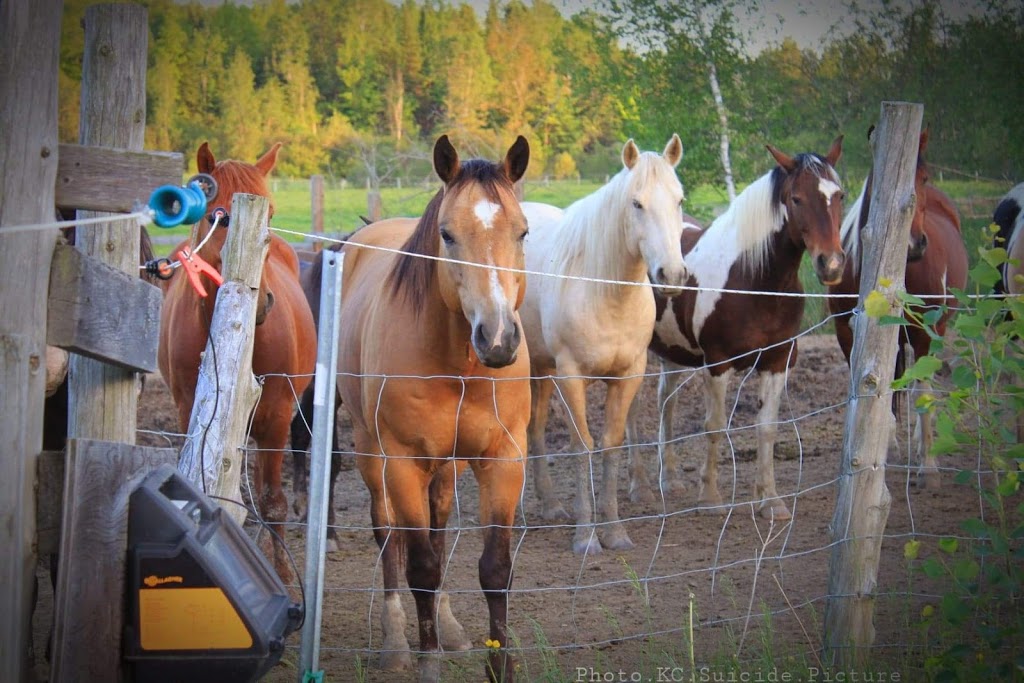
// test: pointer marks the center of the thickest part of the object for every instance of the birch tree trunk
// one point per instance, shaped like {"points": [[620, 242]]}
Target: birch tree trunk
{"points": [[723, 135]]}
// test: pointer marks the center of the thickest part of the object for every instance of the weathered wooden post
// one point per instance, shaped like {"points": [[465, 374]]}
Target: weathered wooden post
{"points": [[862, 501], [227, 391], [29, 59]]}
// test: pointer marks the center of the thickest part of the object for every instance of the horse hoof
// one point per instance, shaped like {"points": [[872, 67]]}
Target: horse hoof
{"points": [[430, 669], [673, 486], [642, 495], [711, 504], [776, 511], [929, 480], [395, 660], [331, 545], [587, 546], [617, 541], [555, 513]]}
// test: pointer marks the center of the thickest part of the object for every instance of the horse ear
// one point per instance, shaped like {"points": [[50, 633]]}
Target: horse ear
{"points": [[784, 160], [204, 159], [673, 150], [267, 162], [630, 154], [446, 160], [835, 152], [871, 131], [517, 158], [922, 145]]}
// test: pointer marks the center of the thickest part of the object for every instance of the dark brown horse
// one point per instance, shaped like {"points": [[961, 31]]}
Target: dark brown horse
{"points": [[936, 262], [756, 245], [284, 346], [434, 375]]}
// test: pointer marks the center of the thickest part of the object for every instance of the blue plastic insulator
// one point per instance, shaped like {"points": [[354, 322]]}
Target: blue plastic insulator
{"points": [[173, 205]]}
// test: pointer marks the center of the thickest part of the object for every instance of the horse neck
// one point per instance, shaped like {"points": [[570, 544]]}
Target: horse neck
{"points": [[594, 240], [447, 331], [782, 273]]}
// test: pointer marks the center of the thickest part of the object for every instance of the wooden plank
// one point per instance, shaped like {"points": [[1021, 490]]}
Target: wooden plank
{"points": [[102, 313], [99, 479], [862, 500], [110, 179], [49, 500], [226, 390], [29, 59], [103, 398]]}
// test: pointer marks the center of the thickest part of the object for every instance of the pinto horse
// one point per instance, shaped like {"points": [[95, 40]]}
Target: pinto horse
{"points": [[434, 373], [756, 245], [1010, 219], [597, 324], [936, 262], [284, 346]]}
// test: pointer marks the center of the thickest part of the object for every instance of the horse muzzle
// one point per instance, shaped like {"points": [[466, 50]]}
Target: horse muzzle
{"points": [[497, 350], [829, 268], [670, 281], [916, 248]]}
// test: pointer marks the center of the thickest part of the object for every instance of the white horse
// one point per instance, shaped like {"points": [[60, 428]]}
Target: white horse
{"points": [[625, 234]]}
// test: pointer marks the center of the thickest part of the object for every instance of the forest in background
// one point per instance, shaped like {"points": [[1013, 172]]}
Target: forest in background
{"points": [[360, 89]]}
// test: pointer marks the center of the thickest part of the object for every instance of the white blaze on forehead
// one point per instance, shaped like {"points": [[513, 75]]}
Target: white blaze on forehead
{"points": [[486, 211], [497, 293], [828, 188]]}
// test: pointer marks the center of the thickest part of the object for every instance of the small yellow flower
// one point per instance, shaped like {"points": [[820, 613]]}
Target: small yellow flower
{"points": [[493, 644], [927, 611], [884, 281], [910, 549]]}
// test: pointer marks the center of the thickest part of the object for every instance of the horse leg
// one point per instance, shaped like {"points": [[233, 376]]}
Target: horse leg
{"points": [[923, 438], [301, 438], [621, 393], [574, 393], [770, 390], [669, 382], [407, 487], [714, 423], [395, 654], [270, 497], [442, 492], [501, 484], [551, 508], [639, 483]]}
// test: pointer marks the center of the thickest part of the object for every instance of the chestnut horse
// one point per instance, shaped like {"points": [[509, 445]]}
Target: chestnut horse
{"points": [[756, 245], [434, 373], [614, 243], [284, 346], [936, 262]]}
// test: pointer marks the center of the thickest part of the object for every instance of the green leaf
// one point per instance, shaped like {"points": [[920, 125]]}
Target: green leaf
{"points": [[893, 320], [932, 568], [975, 527], [964, 377], [984, 275], [954, 610], [966, 569], [964, 477], [1009, 485], [924, 368], [948, 545], [911, 549]]}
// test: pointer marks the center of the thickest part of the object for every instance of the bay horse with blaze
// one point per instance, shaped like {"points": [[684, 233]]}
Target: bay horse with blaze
{"points": [[936, 262], [284, 345], [435, 375], [596, 323], [756, 245]]}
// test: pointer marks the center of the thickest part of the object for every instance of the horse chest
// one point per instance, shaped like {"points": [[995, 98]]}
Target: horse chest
{"points": [[604, 335]]}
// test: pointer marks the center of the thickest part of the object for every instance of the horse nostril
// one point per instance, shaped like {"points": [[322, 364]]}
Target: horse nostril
{"points": [[480, 337], [660, 275]]}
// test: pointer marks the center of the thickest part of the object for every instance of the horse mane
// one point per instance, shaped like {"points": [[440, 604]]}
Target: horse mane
{"points": [[412, 276], [849, 231], [578, 248]]}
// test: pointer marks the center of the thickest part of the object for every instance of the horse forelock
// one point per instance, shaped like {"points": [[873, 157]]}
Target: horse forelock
{"points": [[413, 276], [593, 235], [232, 177]]}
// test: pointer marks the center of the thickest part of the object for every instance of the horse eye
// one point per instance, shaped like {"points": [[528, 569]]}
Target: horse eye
{"points": [[637, 204], [796, 200], [447, 237], [523, 236]]}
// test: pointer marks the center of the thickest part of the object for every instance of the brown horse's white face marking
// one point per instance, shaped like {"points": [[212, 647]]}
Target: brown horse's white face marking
{"points": [[482, 223], [813, 200]]}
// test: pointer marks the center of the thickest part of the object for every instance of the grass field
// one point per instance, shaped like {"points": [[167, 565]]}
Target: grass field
{"points": [[343, 207]]}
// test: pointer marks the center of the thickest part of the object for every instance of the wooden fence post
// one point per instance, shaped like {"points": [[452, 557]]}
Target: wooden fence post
{"points": [[29, 59], [88, 615], [862, 500], [226, 391]]}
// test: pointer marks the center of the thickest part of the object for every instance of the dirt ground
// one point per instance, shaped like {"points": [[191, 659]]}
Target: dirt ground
{"points": [[757, 589]]}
